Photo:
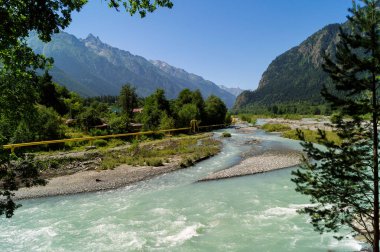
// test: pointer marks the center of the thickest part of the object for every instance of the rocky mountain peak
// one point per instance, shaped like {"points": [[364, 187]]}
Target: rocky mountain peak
{"points": [[92, 68]]}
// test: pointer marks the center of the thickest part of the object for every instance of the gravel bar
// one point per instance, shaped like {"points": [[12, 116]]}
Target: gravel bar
{"points": [[265, 162], [90, 181]]}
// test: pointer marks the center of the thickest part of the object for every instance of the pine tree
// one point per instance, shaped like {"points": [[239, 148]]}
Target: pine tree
{"points": [[128, 99], [342, 180]]}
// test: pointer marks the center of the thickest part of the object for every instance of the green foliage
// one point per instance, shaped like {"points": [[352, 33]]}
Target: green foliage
{"points": [[284, 109], [245, 118], [128, 99], [46, 125], [89, 118], [166, 122], [100, 143], [342, 179], [228, 119], [226, 134], [189, 106], [53, 95], [74, 104], [154, 108], [215, 110], [187, 113], [118, 124], [15, 173], [272, 127], [312, 136], [189, 149], [249, 118], [97, 132], [115, 142], [140, 6]]}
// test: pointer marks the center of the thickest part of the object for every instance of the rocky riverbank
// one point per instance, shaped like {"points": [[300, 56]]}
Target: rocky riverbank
{"points": [[267, 161], [104, 170], [94, 180]]}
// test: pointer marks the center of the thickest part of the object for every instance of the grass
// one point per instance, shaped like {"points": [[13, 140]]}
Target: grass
{"points": [[312, 136], [248, 118], [156, 153], [271, 127]]}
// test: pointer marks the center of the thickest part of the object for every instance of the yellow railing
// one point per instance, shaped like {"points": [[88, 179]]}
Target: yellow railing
{"points": [[20, 145]]}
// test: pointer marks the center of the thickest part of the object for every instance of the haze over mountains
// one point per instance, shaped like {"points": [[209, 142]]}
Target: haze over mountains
{"points": [[92, 68], [296, 75]]}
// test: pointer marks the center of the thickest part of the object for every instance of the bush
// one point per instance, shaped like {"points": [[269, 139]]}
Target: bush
{"points": [[98, 132], [275, 127], [115, 142], [154, 162], [228, 119], [46, 125], [89, 118], [166, 122], [244, 118], [226, 134], [312, 136], [253, 121], [118, 124], [100, 143]]}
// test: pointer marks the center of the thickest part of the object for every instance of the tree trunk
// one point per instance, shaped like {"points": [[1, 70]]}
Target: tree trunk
{"points": [[375, 169]]}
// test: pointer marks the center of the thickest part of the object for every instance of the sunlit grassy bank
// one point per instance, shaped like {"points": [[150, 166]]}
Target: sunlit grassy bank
{"points": [[310, 135]]}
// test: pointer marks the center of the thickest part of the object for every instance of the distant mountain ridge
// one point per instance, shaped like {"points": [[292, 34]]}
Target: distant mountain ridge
{"points": [[91, 68], [296, 75], [232, 90]]}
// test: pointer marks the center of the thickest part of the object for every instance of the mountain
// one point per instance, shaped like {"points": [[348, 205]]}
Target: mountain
{"points": [[92, 68], [296, 75], [234, 90], [197, 82]]}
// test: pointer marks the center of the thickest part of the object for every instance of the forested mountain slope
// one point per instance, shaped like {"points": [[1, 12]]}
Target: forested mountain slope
{"points": [[296, 75]]}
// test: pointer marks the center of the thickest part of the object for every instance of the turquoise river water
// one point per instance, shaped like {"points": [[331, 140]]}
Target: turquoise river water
{"points": [[173, 212]]}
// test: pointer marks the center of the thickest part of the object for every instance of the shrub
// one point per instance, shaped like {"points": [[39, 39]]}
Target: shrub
{"points": [[253, 121], [166, 122], [115, 142], [97, 132], [154, 162], [226, 134], [312, 136], [100, 143], [118, 124], [275, 127]]}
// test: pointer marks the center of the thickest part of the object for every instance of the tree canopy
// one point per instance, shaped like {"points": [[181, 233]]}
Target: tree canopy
{"points": [[128, 99]]}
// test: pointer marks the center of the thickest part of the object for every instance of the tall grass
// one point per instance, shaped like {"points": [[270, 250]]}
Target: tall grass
{"points": [[271, 127], [312, 136]]}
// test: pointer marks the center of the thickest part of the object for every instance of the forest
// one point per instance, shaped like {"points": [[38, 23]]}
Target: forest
{"points": [[60, 113]]}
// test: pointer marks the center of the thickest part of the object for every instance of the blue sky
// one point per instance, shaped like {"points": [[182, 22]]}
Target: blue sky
{"points": [[230, 42]]}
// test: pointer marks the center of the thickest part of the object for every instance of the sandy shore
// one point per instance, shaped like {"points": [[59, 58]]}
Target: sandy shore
{"points": [[265, 162], [90, 181]]}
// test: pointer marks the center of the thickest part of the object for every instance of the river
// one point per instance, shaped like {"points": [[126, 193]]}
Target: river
{"points": [[173, 212]]}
